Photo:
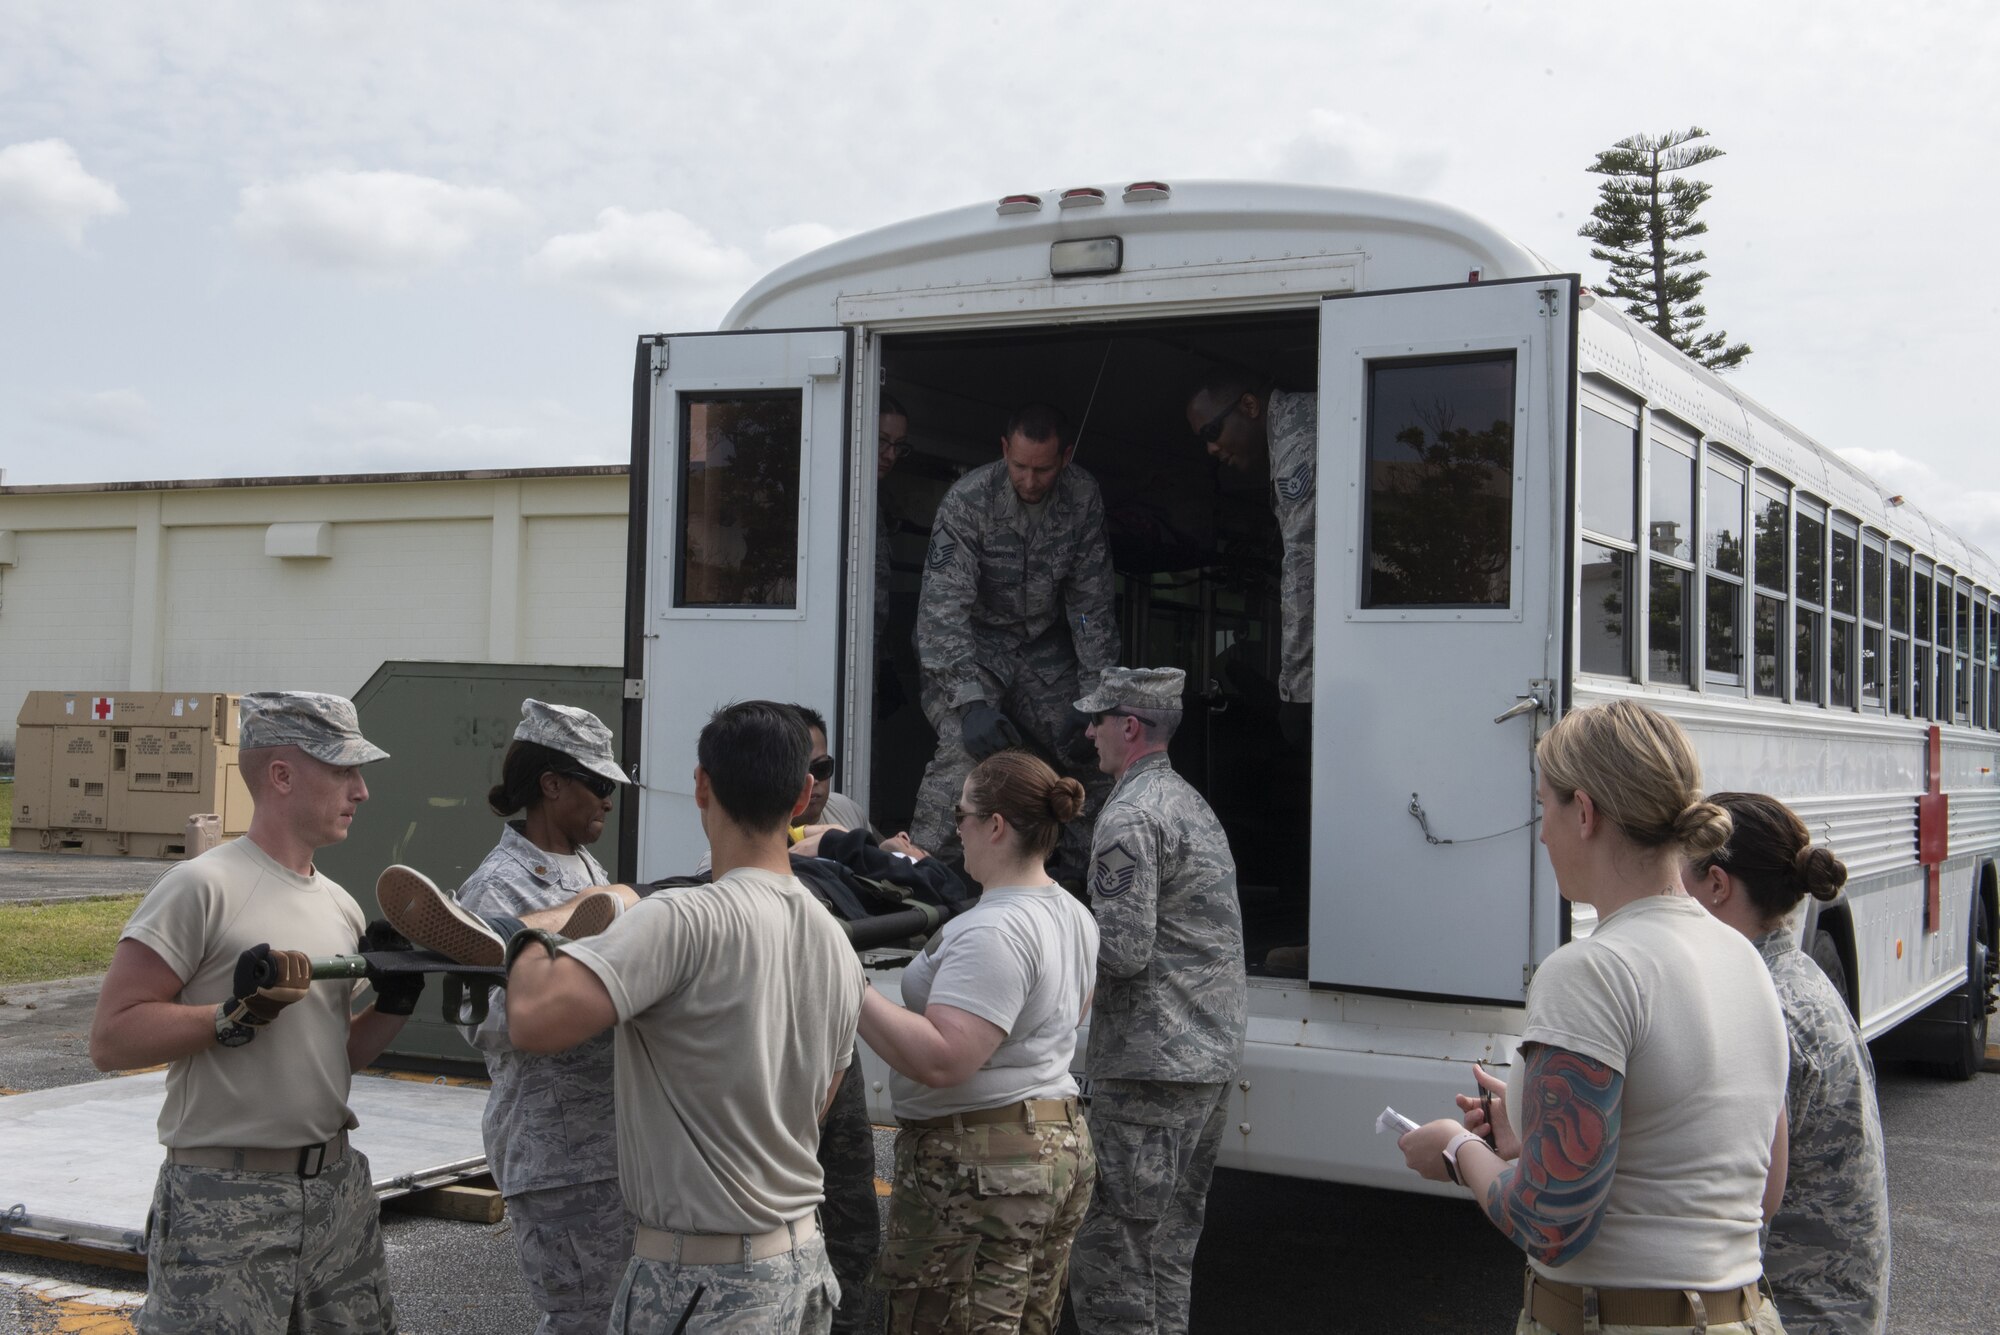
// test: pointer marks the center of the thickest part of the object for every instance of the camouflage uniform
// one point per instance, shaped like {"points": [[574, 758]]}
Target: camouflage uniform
{"points": [[551, 1139], [848, 1216], [1016, 611], [980, 1224], [1293, 430], [1166, 1033], [791, 1292], [1826, 1253]]}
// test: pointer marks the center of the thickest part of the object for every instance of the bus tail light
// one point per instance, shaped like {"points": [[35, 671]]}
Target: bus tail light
{"points": [[1020, 204], [1139, 191], [1080, 197]]}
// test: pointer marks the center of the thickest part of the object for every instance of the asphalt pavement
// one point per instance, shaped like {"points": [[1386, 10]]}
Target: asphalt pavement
{"points": [[45, 877], [1278, 1255]]}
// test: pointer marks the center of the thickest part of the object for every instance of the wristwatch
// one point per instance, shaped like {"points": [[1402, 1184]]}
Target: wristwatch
{"points": [[228, 1032], [1451, 1149]]}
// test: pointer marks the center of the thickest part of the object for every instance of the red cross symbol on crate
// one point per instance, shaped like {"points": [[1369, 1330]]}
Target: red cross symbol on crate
{"points": [[101, 707], [1933, 827]]}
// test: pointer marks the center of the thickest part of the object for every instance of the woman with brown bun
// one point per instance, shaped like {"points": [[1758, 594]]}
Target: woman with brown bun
{"points": [[1826, 1253], [993, 1160], [1651, 1082]]}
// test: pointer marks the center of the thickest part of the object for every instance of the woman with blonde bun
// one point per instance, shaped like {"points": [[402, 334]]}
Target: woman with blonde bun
{"points": [[994, 1167], [1650, 1090], [1826, 1254]]}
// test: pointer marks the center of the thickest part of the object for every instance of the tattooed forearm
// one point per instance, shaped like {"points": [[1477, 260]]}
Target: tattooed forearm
{"points": [[1550, 1202]]}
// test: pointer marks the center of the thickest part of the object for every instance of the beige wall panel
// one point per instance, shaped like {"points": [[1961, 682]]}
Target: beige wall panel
{"points": [[65, 616], [573, 589], [244, 621]]}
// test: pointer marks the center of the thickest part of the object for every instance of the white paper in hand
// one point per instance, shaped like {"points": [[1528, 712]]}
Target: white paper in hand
{"points": [[1391, 1120]]}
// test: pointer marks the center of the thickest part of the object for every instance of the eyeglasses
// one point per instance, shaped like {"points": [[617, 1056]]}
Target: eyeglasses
{"points": [[900, 449], [821, 768], [599, 786], [959, 814], [1212, 432]]}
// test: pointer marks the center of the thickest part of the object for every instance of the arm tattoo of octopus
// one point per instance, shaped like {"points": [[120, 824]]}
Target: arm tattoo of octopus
{"points": [[1550, 1201]]}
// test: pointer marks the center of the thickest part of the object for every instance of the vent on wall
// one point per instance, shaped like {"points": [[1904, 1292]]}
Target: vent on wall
{"points": [[294, 542]]}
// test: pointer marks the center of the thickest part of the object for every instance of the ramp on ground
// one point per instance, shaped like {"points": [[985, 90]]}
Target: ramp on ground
{"points": [[77, 1164]]}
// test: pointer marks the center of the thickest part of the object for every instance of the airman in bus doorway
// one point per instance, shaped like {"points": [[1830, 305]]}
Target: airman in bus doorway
{"points": [[1015, 621], [1167, 1034], [1245, 422], [892, 444]]}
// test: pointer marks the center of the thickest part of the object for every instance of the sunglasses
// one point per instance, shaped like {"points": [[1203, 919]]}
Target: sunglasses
{"points": [[821, 769], [1212, 431], [599, 786], [959, 814]]}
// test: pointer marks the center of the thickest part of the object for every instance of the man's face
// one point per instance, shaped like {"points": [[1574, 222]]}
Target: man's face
{"points": [[891, 444], [1033, 465], [1107, 731], [821, 787], [325, 796], [1237, 427]]}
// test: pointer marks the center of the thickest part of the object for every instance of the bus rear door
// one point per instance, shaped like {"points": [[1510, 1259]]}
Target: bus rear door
{"points": [[1444, 423]]}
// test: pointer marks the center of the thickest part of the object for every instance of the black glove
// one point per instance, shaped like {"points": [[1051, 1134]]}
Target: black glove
{"points": [[395, 993], [986, 731], [267, 981], [1295, 720]]}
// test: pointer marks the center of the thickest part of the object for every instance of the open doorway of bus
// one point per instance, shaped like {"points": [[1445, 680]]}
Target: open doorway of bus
{"points": [[1195, 547]]}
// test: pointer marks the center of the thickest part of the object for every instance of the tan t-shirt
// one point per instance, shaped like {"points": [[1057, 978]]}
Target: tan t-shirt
{"points": [[1682, 1006], [288, 1086], [737, 1002]]}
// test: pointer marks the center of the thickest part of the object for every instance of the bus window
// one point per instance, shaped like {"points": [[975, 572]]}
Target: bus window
{"points": [[1920, 645], [739, 500], [1809, 587], [1841, 639], [1722, 555], [1961, 671], [1601, 621], [1440, 504], [1670, 536], [1899, 633], [1874, 647], [1768, 557], [1979, 715]]}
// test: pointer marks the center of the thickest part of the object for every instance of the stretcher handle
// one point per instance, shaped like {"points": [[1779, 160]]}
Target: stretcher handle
{"points": [[867, 933]]}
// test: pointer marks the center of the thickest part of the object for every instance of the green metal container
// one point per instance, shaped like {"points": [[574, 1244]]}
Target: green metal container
{"points": [[446, 727]]}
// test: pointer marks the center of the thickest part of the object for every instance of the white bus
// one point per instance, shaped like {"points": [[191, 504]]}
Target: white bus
{"points": [[1526, 503]]}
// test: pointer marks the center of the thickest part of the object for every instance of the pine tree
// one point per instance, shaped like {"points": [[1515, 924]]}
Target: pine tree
{"points": [[1645, 212]]}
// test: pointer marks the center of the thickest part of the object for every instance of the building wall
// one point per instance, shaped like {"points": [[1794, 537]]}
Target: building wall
{"points": [[169, 588]]}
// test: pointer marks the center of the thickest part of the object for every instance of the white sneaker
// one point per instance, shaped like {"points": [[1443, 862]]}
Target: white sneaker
{"points": [[415, 906]]}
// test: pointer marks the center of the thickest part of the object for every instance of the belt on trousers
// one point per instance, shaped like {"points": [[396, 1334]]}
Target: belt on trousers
{"points": [[660, 1244], [1566, 1308], [307, 1161], [1027, 1110]]}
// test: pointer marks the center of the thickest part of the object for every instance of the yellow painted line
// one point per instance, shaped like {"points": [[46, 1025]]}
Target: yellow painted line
{"points": [[77, 1310]]}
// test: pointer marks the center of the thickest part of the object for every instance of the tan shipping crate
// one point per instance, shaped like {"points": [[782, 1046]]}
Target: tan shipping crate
{"points": [[121, 773]]}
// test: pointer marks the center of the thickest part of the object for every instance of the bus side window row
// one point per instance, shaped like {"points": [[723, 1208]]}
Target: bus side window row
{"points": [[1798, 602]]}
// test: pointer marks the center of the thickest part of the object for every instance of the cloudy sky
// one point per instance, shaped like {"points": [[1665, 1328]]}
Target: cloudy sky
{"points": [[257, 238]]}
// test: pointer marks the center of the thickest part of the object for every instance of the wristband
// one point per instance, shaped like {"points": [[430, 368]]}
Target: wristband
{"points": [[529, 937], [229, 1032], [1451, 1149]]}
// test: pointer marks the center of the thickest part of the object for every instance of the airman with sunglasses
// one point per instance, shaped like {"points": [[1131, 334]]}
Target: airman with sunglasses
{"points": [[1246, 423]]}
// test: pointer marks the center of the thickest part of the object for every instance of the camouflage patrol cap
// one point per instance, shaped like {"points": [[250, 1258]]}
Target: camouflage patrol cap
{"points": [[322, 726], [577, 733], [1135, 688]]}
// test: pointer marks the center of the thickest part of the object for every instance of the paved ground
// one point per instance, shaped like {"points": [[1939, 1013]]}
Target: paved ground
{"points": [[1278, 1255], [46, 876]]}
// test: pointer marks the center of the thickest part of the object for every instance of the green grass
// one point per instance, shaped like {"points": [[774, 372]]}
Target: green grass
{"points": [[39, 942], [6, 813]]}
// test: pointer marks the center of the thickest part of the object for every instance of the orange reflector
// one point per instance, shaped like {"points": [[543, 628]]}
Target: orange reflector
{"points": [[1899, 948]]}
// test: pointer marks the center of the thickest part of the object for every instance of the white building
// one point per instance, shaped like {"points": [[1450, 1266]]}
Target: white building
{"points": [[306, 583]]}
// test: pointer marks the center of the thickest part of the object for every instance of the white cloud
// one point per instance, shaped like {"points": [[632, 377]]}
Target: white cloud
{"points": [[796, 239], [1971, 512], [381, 222], [1338, 149], [43, 182], [116, 413], [638, 260]]}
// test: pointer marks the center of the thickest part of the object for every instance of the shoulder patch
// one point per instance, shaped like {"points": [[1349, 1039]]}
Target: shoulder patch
{"points": [[1112, 872], [943, 550], [1298, 483]]}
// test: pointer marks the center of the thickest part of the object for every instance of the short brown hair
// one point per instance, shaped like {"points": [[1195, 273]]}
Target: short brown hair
{"points": [[1036, 801], [1640, 770]]}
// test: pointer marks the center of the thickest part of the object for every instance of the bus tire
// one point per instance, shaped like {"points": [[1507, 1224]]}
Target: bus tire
{"points": [[1970, 1054], [1825, 952]]}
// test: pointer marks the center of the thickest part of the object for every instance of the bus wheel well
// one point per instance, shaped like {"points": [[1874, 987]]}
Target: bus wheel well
{"points": [[1830, 943]]}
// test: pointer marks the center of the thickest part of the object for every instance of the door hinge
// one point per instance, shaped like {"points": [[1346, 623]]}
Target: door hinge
{"points": [[663, 356], [1527, 976], [635, 688], [1548, 295]]}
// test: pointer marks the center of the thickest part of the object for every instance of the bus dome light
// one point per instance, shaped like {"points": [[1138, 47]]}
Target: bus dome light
{"points": [[1020, 204], [1080, 197], [1144, 190], [1086, 255]]}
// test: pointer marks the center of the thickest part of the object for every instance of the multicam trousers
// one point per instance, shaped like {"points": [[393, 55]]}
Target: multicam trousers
{"points": [[1133, 1262], [980, 1224], [791, 1294], [848, 1217], [239, 1253], [573, 1243]]}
